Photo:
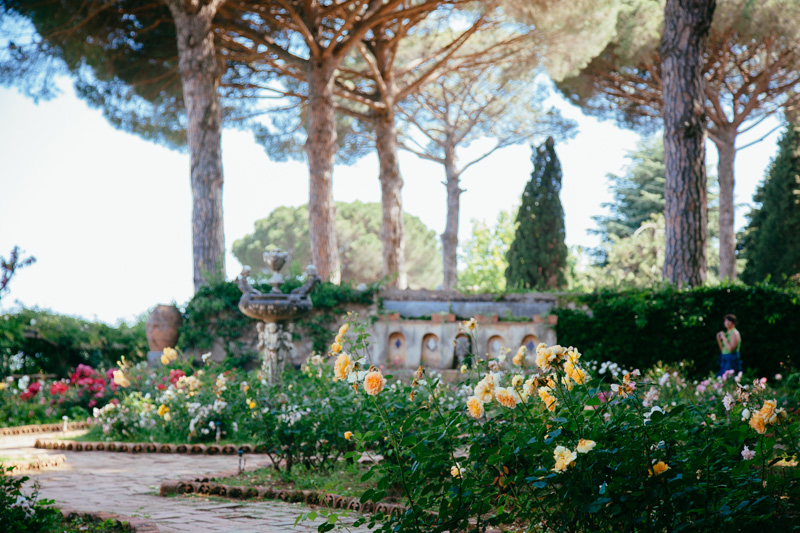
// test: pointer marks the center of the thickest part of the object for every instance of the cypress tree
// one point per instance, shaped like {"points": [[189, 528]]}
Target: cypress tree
{"points": [[770, 242], [538, 255]]}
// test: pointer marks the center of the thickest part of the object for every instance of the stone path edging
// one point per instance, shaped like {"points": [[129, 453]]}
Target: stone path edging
{"points": [[28, 464], [144, 447], [137, 525], [44, 428], [259, 492]]}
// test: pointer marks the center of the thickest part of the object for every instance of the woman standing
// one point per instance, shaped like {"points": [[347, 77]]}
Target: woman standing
{"points": [[730, 342]]}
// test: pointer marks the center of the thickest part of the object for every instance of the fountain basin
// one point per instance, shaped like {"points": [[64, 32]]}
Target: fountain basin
{"points": [[274, 307]]}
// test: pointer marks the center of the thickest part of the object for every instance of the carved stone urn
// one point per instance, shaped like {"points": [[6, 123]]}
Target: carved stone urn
{"points": [[162, 327]]}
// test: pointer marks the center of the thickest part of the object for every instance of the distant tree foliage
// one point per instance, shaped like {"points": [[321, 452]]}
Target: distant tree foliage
{"points": [[538, 255], [358, 229], [483, 257], [771, 245], [632, 250], [638, 192]]}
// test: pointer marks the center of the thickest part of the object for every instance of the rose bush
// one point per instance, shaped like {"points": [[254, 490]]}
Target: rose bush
{"points": [[549, 444]]}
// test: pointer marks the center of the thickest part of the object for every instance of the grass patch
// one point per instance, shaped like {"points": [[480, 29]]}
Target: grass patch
{"points": [[344, 479]]}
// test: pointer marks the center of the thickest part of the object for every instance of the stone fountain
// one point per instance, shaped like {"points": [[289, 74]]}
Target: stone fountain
{"points": [[275, 311]]}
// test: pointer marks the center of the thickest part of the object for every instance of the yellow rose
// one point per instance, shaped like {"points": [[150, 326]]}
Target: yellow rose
{"points": [[528, 388], [455, 471], [120, 379], [659, 468], [506, 397], [545, 393], [520, 356], [162, 410], [586, 445], [2, 385], [574, 372], [463, 369], [342, 333], [374, 383], [564, 457], [767, 412], [251, 404], [343, 366], [336, 348], [484, 391], [758, 423], [475, 407], [168, 355], [516, 381], [347, 434]]}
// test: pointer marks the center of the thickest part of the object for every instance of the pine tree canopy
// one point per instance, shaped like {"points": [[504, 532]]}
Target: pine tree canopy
{"points": [[538, 255]]}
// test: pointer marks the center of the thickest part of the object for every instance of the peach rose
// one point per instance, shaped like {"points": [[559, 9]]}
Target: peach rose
{"points": [[374, 383], [475, 407]]}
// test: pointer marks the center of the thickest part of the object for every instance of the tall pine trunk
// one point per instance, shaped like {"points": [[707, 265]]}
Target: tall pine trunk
{"points": [[321, 150], [727, 240], [200, 74], [686, 25], [450, 235], [392, 231]]}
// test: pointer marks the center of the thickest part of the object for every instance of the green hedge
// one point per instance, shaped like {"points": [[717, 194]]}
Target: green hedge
{"points": [[638, 328], [42, 341], [214, 312]]}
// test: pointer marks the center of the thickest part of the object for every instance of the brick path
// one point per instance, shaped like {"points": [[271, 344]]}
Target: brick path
{"points": [[128, 484]]}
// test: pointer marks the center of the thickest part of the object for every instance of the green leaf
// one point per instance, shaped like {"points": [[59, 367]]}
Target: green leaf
{"points": [[494, 459], [594, 401], [540, 484]]}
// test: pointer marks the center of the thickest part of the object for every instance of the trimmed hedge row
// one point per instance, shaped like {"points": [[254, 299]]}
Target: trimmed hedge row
{"points": [[638, 328]]}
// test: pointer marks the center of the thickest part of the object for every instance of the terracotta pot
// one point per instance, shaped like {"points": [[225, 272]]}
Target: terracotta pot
{"points": [[436, 318], [552, 319], [162, 327], [451, 317], [537, 319]]}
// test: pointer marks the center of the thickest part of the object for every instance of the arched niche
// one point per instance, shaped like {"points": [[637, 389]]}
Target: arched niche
{"points": [[396, 351], [530, 342], [461, 349], [431, 351], [495, 345]]}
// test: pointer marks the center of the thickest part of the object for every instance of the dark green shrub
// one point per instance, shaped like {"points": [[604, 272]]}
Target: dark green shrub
{"points": [[34, 341], [637, 328]]}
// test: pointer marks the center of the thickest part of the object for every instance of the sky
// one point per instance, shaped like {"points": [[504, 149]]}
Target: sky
{"points": [[108, 215]]}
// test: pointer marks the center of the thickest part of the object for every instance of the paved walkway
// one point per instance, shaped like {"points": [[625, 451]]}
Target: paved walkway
{"points": [[128, 484]]}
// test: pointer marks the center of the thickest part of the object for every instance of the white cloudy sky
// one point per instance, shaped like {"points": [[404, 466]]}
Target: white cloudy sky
{"points": [[108, 215]]}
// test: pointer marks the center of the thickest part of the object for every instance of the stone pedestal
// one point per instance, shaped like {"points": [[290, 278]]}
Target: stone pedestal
{"points": [[154, 358]]}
